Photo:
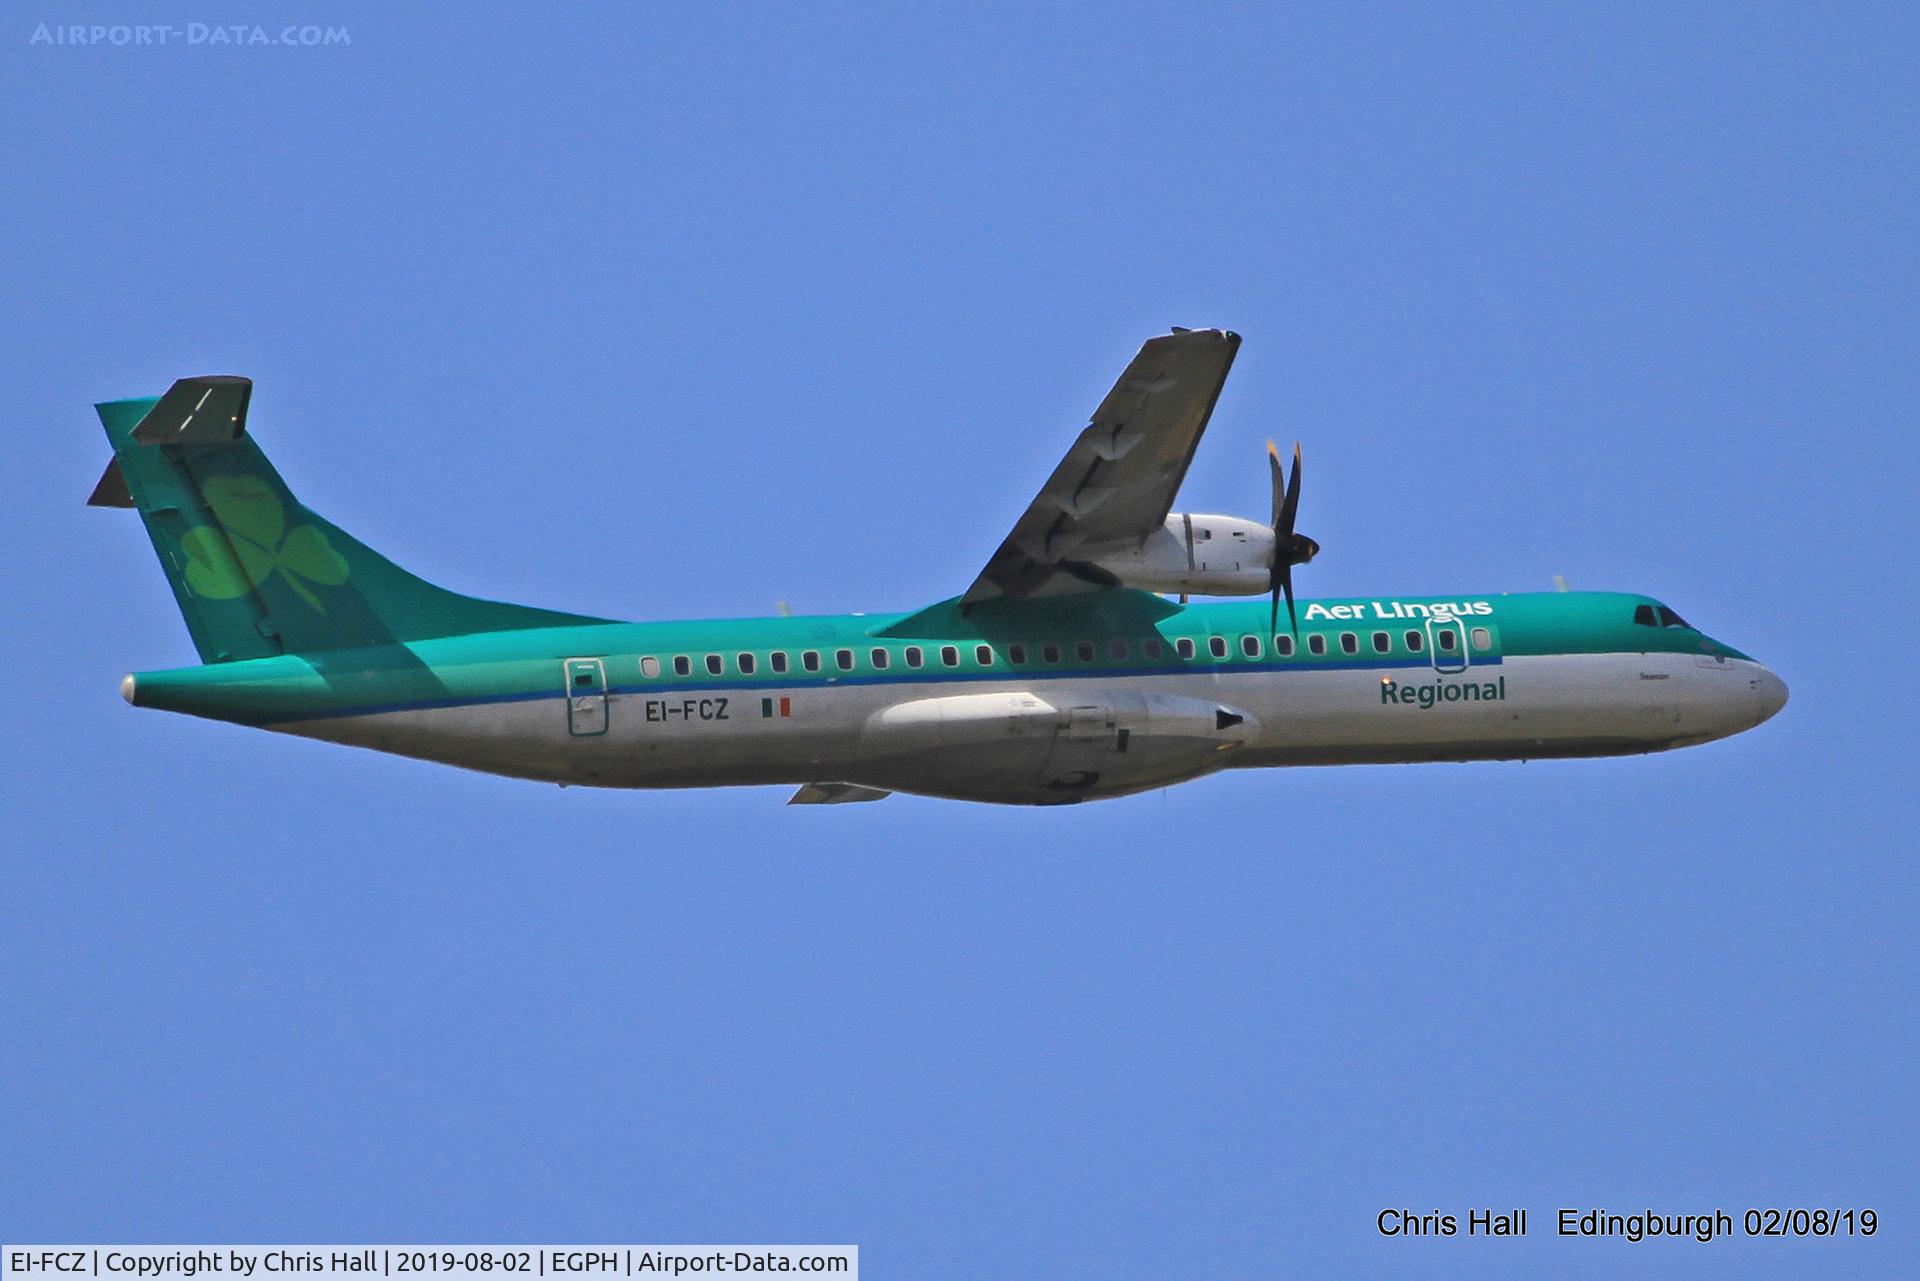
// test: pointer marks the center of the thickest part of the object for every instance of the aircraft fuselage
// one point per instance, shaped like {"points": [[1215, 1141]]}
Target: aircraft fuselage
{"points": [[1088, 697]]}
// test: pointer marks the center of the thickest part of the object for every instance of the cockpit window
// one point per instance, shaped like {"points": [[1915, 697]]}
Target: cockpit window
{"points": [[1670, 619], [1643, 615]]}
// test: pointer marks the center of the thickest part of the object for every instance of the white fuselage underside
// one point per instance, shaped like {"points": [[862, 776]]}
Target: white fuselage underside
{"points": [[1039, 740]]}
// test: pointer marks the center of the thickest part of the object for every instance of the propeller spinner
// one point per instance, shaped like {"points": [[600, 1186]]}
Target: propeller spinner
{"points": [[1289, 548]]}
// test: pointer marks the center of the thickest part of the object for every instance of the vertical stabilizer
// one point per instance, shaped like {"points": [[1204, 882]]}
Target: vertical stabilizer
{"points": [[254, 572]]}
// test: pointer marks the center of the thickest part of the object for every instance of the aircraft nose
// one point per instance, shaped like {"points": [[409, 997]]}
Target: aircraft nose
{"points": [[1770, 692]]}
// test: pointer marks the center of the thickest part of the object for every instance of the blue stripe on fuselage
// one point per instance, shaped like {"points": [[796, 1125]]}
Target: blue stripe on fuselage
{"points": [[923, 677]]}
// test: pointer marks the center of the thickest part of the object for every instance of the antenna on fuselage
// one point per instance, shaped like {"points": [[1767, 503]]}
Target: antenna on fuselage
{"points": [[1560, 583]]}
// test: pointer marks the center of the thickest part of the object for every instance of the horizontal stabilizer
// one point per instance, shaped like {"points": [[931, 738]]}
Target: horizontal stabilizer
{"points": [[112, 490], [836, 794], [198, 411]]}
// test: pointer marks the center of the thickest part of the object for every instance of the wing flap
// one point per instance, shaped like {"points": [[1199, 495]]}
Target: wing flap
{"points": [[836, 794]]}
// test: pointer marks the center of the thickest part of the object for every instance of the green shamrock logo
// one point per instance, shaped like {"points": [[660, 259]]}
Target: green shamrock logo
{"points": [[257, 546]]}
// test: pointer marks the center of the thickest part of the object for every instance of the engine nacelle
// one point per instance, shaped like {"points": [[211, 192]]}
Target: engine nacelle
{"points": [[1226, 556], [1059, 743]]}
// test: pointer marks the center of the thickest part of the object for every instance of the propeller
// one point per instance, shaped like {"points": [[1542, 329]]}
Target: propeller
{"points": [[1289, 548]]}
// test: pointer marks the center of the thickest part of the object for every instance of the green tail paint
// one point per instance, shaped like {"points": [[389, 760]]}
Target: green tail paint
{"points": [[257, 574]]}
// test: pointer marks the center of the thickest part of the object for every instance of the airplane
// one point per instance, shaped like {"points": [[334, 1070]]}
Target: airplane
{"points": [[1074, 667]]}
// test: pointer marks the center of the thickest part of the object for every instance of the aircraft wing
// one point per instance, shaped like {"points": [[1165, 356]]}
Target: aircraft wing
{"points": [[1119, 480]]}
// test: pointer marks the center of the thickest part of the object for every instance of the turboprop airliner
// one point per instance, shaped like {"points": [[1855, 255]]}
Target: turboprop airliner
{"points": [[1076, 665]]}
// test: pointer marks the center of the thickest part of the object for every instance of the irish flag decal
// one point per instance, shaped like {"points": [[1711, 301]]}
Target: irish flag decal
{"points": [[776, 707]]}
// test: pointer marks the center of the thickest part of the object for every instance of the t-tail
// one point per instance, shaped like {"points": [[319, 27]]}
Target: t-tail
{"points": [[255, 573]]}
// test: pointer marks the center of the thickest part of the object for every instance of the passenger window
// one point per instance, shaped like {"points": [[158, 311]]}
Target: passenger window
{"points": [[1150, 648], [1050, 652], [1250, 646], [983, 655], [778, 660], [810, 659], [1117, 650], [583, 678], [1084, 649], [1283, 646], [950, 656], [1317, 643], [879, 660], [1482, 638], [1446, 639], [1184, 646], [1016, 653], [1382, 642], [1416, 642], [914, 656], [843, 659], [714, 664], [682, 665], [1643, 615], [649, 667], [746, 664], [1217, 646], [1349, 643]]}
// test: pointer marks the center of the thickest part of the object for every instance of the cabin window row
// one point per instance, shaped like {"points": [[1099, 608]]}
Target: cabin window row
{"points": [[1187, 648], [1319, 644], [812, 661]]}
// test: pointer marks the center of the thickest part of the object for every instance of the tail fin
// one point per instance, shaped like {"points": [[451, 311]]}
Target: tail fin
{"points": [[255, 573]]}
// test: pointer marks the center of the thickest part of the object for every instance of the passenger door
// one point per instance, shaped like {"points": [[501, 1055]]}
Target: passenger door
{"points": [[586, 697]]}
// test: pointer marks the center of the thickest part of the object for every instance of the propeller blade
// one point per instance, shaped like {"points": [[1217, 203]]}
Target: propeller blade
{"points": [[1292, 504], [1282, 582], [1279, 486]]}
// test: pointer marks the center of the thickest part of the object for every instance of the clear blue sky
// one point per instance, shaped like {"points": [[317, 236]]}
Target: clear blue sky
{"points": [[658, 312]]}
